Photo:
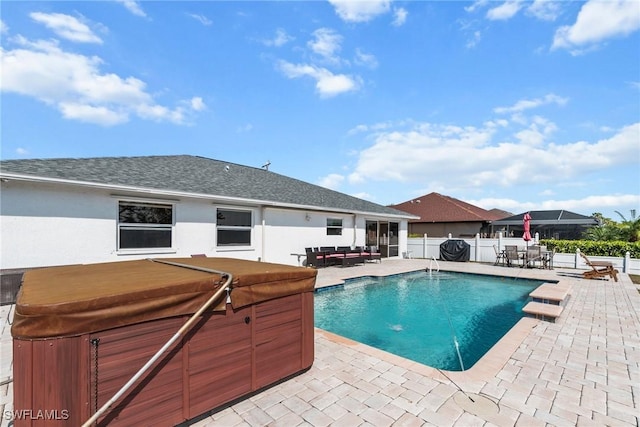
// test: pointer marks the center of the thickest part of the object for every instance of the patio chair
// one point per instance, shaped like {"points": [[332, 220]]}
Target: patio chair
{"points": [[599, 269], [533, 255], [547, 258], [512, 255], [316, 259], [501, 256]]}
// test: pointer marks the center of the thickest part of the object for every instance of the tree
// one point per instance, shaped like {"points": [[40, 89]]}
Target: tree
{"points": [[608, 230], [630, 228]]}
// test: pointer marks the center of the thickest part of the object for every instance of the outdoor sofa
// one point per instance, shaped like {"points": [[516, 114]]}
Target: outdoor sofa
{"points": [[326, 256]]}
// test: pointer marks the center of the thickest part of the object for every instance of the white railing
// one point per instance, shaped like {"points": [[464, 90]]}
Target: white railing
{"points": [[482, 251]]}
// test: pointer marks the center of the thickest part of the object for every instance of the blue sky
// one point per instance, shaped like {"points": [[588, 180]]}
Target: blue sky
{"points": [[513, 105]]}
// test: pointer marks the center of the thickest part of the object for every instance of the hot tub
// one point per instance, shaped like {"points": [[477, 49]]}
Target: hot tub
{"points": [[82, 332]]}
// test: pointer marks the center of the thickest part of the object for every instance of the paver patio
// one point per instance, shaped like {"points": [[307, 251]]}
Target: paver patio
{"points": [[582, 370]]}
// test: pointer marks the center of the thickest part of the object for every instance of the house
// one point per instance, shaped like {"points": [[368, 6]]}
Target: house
{"points": [[553, 224], [91, 210], [440, 215]]}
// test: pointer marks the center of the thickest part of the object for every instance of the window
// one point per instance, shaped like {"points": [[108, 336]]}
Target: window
{"points": [[234, 227], [144, 225], [334, 227]]}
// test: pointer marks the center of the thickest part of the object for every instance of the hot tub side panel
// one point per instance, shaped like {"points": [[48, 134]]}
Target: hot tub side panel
{"points": [[219, 361], [51, 384], [121, 352], [226, 356], [283, 338]]}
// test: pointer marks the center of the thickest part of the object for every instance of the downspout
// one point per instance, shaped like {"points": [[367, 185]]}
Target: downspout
{"points": [[355, 231], [263, 223]]}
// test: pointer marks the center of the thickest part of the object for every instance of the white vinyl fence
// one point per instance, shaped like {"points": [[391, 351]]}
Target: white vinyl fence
{"points": [[482, 251]]}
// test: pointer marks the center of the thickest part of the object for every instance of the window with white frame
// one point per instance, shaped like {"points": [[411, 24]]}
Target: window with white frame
{"points": [[233, 227], [334, 227], [144, 225]]}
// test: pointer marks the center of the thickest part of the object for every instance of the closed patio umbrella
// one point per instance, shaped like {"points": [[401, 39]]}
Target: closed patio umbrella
{"points": [[526, 222]]}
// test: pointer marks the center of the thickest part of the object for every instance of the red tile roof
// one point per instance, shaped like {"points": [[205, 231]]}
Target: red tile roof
{"points": [[434, 207]]}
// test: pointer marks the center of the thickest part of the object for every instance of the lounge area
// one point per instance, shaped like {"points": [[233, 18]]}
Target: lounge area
{"points": [[343, 256]]}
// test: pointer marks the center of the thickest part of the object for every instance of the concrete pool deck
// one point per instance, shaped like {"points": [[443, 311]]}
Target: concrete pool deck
{"points": [[582, 370]]}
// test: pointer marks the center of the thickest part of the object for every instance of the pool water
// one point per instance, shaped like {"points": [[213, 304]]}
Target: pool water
{"points": [[421, 315]]}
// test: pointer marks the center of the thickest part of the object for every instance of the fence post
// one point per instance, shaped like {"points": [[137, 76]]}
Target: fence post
{"points": [[536, 238], [626, 265], [577, 257], [425, 245], [500, 246], [477, 247]]}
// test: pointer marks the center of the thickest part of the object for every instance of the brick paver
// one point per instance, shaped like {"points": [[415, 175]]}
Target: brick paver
{"points": [[582, 370]]}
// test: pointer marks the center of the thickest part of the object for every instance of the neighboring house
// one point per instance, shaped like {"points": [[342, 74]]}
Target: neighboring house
{"points": [[441, 215], [557, 224], [69, 211]]}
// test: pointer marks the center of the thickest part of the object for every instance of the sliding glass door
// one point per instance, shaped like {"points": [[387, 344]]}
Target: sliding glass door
{"points": [[384, 236]]}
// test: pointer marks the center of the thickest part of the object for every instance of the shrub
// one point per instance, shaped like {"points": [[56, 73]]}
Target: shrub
{"points": [[614, 248]]}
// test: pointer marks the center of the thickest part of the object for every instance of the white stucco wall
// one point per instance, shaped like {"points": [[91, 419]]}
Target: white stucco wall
{"points": [[56, 224]]}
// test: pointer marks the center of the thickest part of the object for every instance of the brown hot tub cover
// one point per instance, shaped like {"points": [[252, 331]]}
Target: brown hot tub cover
{"points": [[74, 300]]}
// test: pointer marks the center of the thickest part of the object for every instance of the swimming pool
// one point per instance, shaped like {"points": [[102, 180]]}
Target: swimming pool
{"points": [[421, 315]]}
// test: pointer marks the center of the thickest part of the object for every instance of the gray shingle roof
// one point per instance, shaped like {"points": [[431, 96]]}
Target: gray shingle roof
{"points": [[196, 175], [549, 217]]}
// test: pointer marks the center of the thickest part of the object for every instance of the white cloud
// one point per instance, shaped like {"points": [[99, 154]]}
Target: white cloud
{"points": [[327, 83], [326, 43], [476, 5], [598, 21], [506, 10], [468, 157], [197, 104], [92, 114], [537, 132], [545, 10], [245, 128], [22, 151], [527, 104], [474, 40], [133, 7], [75, 85], [4, 29], [399, 16], [365, 59], [331, 181], [375, 128], [360, 11], [66, 26], [200, 18], [280, 39], [588, 205]]}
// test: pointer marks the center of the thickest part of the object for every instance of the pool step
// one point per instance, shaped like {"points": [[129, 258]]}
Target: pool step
{"points": [[550, 294], [548, 301], [543, 311]]}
